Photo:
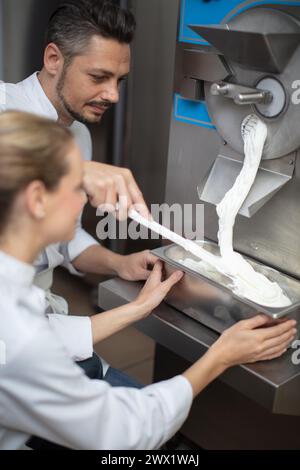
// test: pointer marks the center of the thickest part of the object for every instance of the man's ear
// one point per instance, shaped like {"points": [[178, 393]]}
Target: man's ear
{"points": [[35, 199], [53, 59]]}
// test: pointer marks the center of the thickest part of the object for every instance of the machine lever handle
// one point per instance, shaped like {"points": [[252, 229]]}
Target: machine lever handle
{"points": [[240, 94]]}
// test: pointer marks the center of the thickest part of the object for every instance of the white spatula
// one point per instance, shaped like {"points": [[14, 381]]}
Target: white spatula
{"points": [[188, 245]]}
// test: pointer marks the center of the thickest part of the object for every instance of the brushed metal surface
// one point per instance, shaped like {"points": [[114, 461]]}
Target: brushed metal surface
{"points": [[210, 292], [283, 136], [192, 89], [204, 66], [255, 30], [223, 175]]}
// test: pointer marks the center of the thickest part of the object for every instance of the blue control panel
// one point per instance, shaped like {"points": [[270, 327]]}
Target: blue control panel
{"points": [[192, 112], [208, 12], [203, 12]]}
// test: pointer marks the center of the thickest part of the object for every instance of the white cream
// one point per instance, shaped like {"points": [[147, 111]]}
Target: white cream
{"points": [[247, 282]]}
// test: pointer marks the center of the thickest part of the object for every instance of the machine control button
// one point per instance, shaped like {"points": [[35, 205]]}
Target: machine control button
{"points": [[277, 105]]}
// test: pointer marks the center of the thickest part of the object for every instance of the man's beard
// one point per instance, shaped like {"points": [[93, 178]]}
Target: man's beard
{"points": [[68, 108]]}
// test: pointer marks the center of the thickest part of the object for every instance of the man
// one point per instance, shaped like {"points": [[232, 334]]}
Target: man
{"points": [[87, 56]]}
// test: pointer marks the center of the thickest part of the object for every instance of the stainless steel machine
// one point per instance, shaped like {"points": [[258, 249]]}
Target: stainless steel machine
{"points": [[231, 58], [251, 64]]}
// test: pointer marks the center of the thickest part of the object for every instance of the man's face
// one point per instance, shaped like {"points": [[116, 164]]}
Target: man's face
{"points": [[90, 84]]}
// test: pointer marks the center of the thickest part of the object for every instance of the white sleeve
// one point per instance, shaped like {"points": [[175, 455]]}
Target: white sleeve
{"points": [[43, 393], [3, 96], [75, 333], [82, 240], [80, 243]]}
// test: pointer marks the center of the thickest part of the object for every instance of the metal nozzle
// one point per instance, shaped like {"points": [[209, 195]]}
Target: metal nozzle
{"points": [[240, 94]]}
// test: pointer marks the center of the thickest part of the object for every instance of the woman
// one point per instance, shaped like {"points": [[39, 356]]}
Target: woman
{"points": [[42, 391]]}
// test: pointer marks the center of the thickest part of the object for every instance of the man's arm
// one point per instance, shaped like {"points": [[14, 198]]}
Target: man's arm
{"points": [[99, 260], [85, 255]]}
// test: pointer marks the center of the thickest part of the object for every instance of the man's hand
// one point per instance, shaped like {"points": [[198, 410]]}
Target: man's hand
{"points": [[136, 267], [99, 260], [112, 187]]}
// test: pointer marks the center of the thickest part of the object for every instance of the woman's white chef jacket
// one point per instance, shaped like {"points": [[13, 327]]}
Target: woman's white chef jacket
{"points": [[43, 393]]}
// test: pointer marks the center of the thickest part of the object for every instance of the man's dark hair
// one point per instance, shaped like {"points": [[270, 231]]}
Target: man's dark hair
{"points": [[74, 23]]}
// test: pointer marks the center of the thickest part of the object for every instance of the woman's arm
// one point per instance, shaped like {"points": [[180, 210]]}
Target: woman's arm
{"points": [[108, 323]]}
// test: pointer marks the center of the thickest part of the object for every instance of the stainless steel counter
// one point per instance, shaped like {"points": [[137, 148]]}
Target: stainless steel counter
{"points": [[274, 385]]}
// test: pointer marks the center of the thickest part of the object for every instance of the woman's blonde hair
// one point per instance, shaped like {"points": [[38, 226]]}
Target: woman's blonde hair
{"points": [[31, 148]]}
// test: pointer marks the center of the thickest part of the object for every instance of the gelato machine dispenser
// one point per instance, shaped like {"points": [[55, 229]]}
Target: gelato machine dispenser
{"points": [[235, 59]]}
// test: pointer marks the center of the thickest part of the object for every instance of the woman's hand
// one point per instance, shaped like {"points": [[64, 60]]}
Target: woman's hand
{"points": [[248, 342], [245, 342], [111, 322], [155, 290]]}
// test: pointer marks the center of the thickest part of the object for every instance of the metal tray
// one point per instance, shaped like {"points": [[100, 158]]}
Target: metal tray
{"points": [[172, 255]]}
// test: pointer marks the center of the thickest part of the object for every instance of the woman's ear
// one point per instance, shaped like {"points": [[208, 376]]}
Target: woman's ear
{"points": [[35, 199]]}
